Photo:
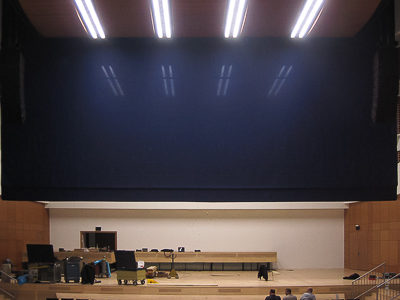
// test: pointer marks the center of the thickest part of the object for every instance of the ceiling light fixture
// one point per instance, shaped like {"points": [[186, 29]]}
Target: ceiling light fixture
{"points": [[235, 18], [162, 18], [307, 18], [90, 18]]}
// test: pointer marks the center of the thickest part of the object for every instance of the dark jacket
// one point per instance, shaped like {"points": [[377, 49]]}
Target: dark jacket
{"points": [[273, 297]]}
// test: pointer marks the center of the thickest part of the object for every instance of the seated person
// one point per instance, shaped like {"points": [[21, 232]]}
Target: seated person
{"points": [[308, 295], [289, 295], [272, 295]]}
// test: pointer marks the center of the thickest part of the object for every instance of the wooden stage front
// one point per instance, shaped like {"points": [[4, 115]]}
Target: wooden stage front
{"points": [[327, 283]]}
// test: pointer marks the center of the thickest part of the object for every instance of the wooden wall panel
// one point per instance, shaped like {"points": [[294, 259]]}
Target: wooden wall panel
{"points": [[21, 223], [378, 239]]}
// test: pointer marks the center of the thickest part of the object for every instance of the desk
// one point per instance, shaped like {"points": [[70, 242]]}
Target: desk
{"points": [[209, 261], [87, 256], [209, 257]]}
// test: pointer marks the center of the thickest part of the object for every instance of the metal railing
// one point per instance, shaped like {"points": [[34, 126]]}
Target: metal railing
{"points": [[371, 278], [386, 290], [395, 297], [389, 289], [12, 280]]}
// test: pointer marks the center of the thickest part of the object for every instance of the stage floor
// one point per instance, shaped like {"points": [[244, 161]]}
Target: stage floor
{"points": [[280, 278], [327, 283]]}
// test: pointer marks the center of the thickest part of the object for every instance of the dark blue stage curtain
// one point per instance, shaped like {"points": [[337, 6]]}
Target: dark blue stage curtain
{"points": [[199, 120]]}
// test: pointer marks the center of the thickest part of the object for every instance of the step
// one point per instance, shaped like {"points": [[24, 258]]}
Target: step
{"points": [[62, 296]]}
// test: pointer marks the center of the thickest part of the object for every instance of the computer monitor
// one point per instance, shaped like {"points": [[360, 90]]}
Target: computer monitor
{"points": [[40, 253]]}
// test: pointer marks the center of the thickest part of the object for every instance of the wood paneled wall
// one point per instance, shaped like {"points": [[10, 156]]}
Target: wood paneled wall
{"points": [[21, 223], [378, 239]]}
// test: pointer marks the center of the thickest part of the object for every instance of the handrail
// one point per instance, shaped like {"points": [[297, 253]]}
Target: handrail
{"points": [[7, 275], [3, 290], [362, 276], [397, 276], [7, 293], [395, 297], [378, 286]]}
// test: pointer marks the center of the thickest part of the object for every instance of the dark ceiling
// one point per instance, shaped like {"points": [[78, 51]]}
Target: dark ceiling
{"points": [[198, 18]]}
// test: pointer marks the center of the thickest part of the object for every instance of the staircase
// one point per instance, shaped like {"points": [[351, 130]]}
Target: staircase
{"points": [[365, 282], [382, 288]]}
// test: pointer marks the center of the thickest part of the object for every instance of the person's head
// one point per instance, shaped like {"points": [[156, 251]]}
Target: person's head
{"points": [[309, 290], [288, 291], [272, 292]]}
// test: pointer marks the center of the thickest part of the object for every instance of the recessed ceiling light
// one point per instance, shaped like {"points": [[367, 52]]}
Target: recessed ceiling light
{"points": [[307, 18], [90, 18], [235, 18], [162, 18]]}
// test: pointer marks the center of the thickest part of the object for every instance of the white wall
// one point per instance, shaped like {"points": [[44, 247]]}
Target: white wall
{"points": [[302, 238]]}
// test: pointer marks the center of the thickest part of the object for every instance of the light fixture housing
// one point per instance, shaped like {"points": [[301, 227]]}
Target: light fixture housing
{"points": [[89, 18], [307, 18], [235, 18], [161, 15]]}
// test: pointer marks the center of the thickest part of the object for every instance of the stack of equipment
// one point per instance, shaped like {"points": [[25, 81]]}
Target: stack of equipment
{"points": [[42, 264], [127, 268]]}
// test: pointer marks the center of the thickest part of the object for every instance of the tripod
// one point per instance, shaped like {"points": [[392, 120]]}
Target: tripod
{"points": [[172, 273]]}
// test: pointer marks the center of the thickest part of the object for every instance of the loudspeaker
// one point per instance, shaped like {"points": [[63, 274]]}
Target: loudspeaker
{"points": [[98, 228], [385, 85]]}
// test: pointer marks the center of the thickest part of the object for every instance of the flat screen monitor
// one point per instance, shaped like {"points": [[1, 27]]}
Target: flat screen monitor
{"points": [[40, 253]]}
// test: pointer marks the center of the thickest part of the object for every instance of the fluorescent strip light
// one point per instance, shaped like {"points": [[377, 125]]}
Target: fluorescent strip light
{"points": [[167, 19], [157, 17], [300, 20], [234, 18], [95, 18], [311, 18], [239, 18], [306, 18], [229, 17], [86, 18], [162, 18]]}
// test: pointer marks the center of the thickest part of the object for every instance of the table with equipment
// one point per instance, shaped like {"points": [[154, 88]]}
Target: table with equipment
{"points": [[209, 261]]}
